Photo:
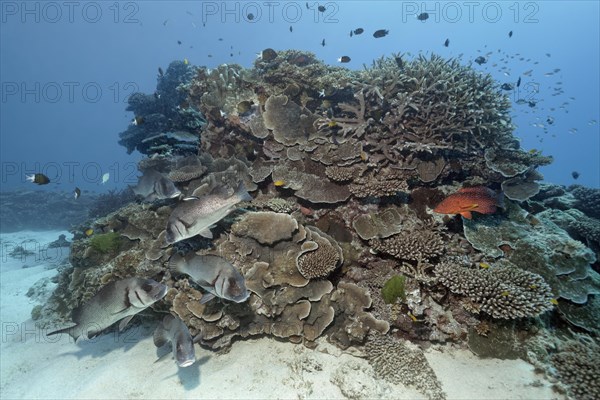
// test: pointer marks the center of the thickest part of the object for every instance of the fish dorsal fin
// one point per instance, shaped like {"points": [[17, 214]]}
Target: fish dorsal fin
{"points": [[206, 233], [124, 322], [206, 297]]}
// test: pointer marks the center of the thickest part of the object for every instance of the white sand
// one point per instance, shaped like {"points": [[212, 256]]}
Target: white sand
{"points": [[124, 366]]}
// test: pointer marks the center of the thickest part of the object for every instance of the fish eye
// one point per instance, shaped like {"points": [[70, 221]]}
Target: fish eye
{"points": [[147, 287]]}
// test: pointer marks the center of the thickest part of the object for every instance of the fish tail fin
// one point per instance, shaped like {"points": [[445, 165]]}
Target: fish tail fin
{"points": [[175, 262], [30, 178], [160, 336], [70, 330], [500, 200], [241, 193]]}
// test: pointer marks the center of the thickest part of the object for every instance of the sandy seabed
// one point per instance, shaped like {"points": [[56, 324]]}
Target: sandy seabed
{"points": [[118, 366]]}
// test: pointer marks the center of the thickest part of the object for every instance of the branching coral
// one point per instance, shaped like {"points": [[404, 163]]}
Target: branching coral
{"points": [[502, 291], [398, 362], [577, 366], [413, 246]]}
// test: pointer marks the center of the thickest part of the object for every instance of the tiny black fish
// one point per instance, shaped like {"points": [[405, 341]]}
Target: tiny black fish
{"points": [[519, 82], [250, 17], [351, 33], [380, 33], [358, 31], [344, 59], [77, 192], [291, 29], [575, 174], [399, 62], [160, 71], [506, 86], [321, 8], [39, 179], [480, 60], [531, 103], [179, 42], [510, 34], [422, 16], [550, 120], [447, 42], [323, 42]]}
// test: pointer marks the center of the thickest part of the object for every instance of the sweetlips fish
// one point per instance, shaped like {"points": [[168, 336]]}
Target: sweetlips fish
{"points": [[172, 329], [471, 199], [118, 300], [153, 185], [196, 215], [214, 274]]}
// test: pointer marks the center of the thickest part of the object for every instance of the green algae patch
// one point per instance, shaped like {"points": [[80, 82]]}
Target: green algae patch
{"points": [[106, 242], [394, 289]]}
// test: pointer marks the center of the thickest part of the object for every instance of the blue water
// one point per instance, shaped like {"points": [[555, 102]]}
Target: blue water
{"points": [[67, 69]]}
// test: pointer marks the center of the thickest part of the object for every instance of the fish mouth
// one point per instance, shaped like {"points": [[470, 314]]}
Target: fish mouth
{"points": [[162, 292], [186, 363]]}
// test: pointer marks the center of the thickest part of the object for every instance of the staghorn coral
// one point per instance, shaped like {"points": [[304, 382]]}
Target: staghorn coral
{"points": [[502, 291], [414, 246], [577, 366], [401, 363]]}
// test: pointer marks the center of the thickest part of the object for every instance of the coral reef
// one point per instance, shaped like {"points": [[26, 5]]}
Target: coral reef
{"points": [[165, 122], [111, 201], [339, 240], [540, 246]]}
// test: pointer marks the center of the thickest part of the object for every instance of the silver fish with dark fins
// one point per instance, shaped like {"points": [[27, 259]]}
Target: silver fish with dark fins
{"points": [[195, 215], [172, 329], [153, 185], [214, 274], [119, 300]]}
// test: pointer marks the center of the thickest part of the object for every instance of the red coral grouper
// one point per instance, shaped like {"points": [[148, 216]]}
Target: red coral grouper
{"points": [[479, 199]]}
